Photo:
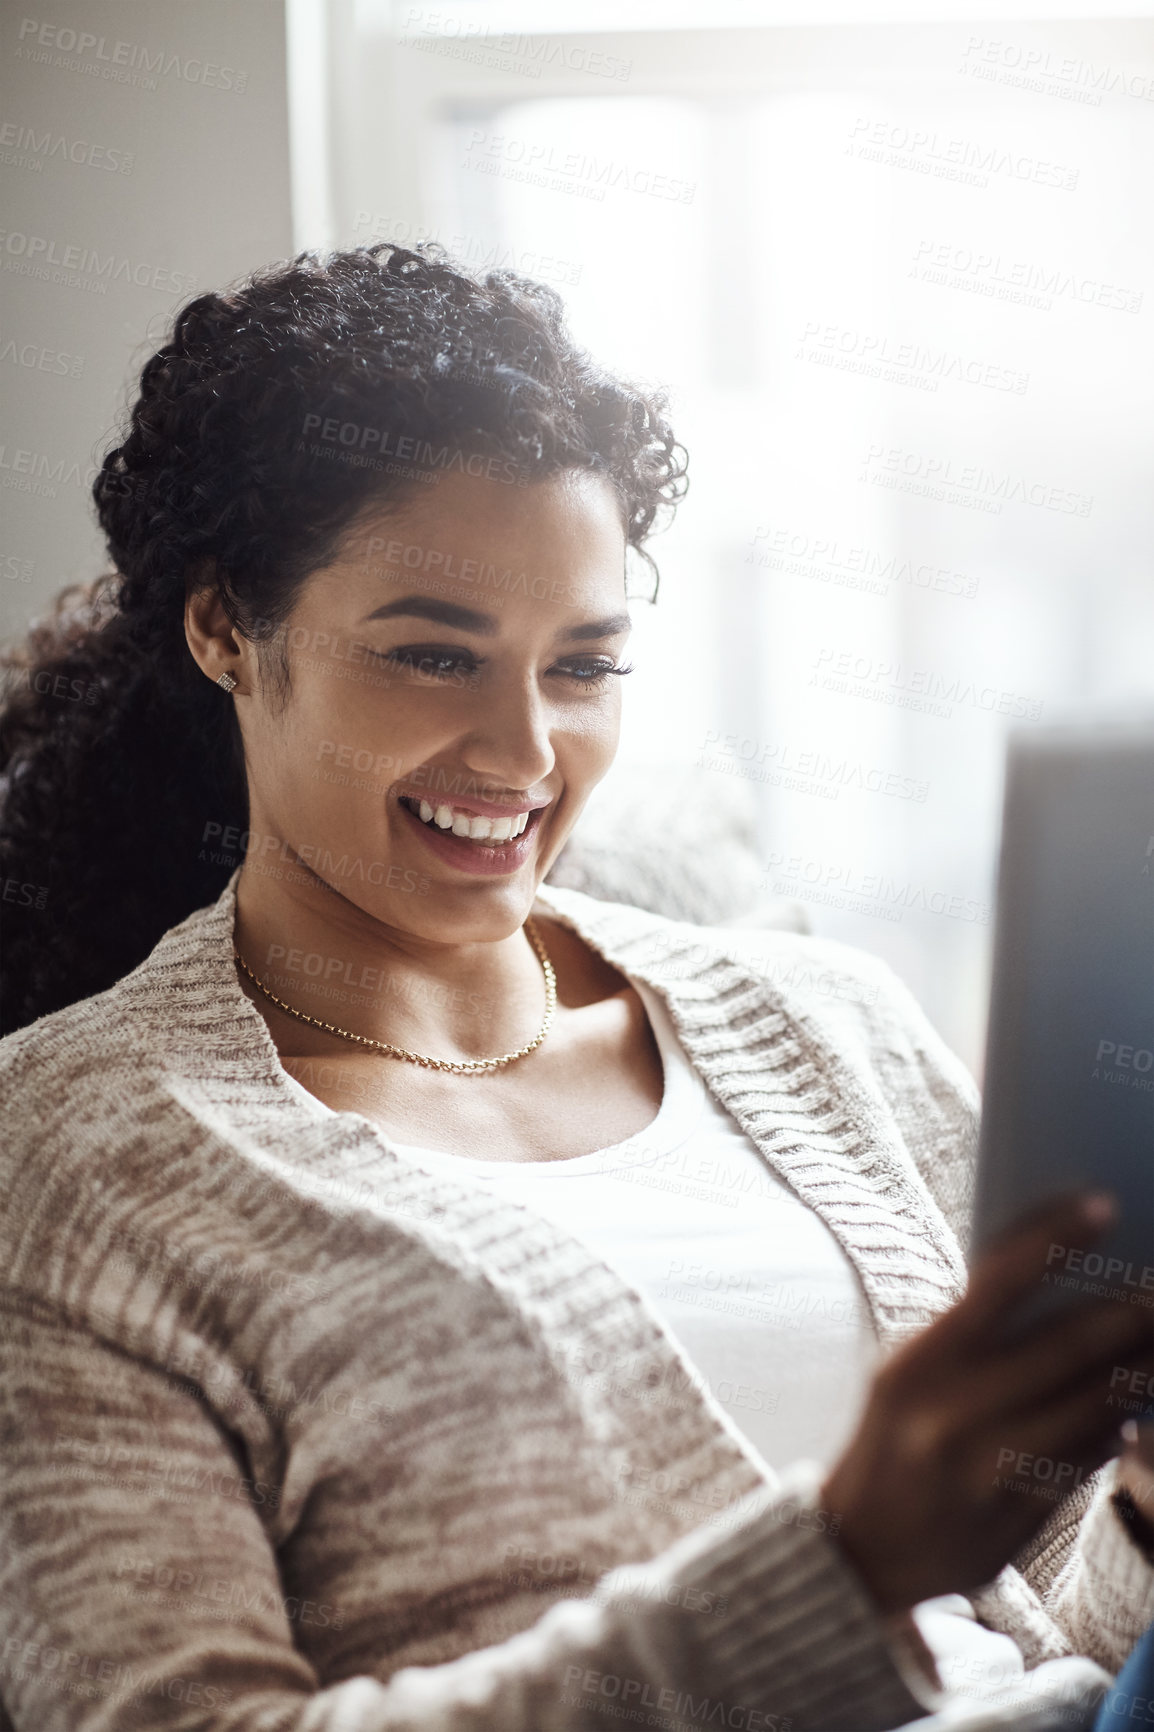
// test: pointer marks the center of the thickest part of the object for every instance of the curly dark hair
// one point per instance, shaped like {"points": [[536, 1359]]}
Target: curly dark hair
{"points": [[114, 748]]}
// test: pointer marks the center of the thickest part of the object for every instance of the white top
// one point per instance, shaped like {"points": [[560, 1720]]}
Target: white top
{"points": [[758, 1293], [750, 1282]]}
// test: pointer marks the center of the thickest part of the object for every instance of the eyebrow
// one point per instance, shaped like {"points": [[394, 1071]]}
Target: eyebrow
{"points": [[471, 619]]}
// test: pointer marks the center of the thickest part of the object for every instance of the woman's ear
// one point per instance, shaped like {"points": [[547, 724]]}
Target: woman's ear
{"points": [[213, 640]]}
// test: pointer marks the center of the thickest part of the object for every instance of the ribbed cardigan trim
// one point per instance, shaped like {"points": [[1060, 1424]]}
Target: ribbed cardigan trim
{"points": [[809, 1112], [837, 1151]]}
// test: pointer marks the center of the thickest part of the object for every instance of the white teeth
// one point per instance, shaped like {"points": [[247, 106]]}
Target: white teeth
{"points": [[468, 824]]}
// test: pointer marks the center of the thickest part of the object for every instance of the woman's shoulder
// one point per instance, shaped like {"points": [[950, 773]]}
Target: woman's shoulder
{"points": [[101, 1103], [769, 943], [78, 1040], [848, 1000], [107, 1043]]}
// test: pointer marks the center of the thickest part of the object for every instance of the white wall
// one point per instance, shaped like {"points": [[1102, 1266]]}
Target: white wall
{"points": [[144, 157]]}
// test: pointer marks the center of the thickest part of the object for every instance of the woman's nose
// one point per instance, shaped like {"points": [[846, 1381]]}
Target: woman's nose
{"points": [[510, 744]]}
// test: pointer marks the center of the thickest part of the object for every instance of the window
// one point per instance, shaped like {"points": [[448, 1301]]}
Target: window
{"points": [[899, 283]]}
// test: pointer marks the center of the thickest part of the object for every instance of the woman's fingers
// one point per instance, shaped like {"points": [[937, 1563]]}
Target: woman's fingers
{"points": [[1136, 1467], [957, 1395], [1067, 1349], [1055, 1447], [1139, 1435], [1013, 1266]]}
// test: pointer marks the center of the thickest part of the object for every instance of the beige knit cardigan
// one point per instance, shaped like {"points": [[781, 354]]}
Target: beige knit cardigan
{"points": [[299, 1435]]}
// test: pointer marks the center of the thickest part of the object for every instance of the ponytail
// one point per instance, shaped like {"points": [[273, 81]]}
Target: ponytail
{"points": [[115, 764]]}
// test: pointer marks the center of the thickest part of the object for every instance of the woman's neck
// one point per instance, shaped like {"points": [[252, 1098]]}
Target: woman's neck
{"points": [[321, 954]]}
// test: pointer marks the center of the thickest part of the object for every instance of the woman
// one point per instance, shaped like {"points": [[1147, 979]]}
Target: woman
{"points": [[344, 1383]]}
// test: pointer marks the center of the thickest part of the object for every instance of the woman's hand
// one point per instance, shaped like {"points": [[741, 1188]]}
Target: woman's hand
{"points": [[1136, 1475], [968, 1439]]}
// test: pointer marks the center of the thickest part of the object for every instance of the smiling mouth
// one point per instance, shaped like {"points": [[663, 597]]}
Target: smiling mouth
{"points": [[470, 826]]}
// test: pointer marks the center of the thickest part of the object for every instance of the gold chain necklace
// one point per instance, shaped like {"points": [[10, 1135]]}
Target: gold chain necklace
{"points": [[459, 1065]]}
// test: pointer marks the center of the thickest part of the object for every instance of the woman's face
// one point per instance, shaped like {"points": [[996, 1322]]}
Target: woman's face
{"points": [[449, 665]]}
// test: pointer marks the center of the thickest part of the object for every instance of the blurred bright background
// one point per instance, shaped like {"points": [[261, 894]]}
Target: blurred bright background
{"points": [[894, 266]]}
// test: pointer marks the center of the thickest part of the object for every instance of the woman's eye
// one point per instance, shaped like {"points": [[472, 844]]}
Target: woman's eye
{"points": [[447, 662], [591, 670]]}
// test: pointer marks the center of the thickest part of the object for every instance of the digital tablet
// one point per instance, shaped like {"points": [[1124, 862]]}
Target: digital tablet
{"points": [[1068, 1088]]}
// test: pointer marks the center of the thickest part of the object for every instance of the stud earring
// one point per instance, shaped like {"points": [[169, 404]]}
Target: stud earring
{"points": [[227, 681]]}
